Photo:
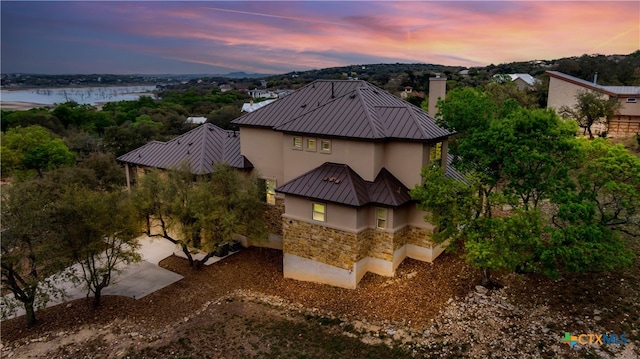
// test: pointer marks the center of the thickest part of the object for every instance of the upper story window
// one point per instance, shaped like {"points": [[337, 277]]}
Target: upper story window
{"points": [[325, 146], [381, 218], [311, 144], [319, 211], [297, 143], [270, 185], [435, 153]]}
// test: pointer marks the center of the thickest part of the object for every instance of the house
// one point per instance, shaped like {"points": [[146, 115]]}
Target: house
{"points": [[201, 149], [196, 120], [261, 93], [251, 106], [338, 158], [523, 81], [563, 89]]}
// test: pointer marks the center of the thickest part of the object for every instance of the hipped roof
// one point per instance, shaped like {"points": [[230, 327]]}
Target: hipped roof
{"points": [[201, 149], [346, 108], [338, 183]]}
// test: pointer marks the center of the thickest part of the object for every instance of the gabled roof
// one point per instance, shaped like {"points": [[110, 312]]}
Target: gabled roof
{"points": [[346, 108], [616, 91], [338, 183], [530, 80], [201, 148]]}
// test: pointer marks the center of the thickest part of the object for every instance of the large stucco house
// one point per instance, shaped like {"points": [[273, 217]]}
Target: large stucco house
{"points": [[563, 89], [338, 158]]}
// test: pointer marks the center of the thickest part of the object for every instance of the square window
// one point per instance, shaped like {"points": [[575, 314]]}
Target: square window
{"points": [[381, 218], [325, 146], [319, 212], [297, 142], [270, 185], [311, 144]]}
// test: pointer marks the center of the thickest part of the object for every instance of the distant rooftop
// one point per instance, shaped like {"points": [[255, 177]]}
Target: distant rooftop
{"points": [[201, 148]]}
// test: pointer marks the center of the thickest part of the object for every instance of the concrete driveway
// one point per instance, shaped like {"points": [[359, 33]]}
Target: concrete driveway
{"points": [[135, 280]]}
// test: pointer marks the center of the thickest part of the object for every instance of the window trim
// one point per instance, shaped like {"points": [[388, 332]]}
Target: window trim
{"points": [[322, 143], [293, 144], [378, 218], [323, 213]]}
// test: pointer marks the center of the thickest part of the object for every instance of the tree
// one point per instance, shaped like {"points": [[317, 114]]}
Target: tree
{"points": [[100, 231], [31, 251], [200, 213], [591, 108], [33, 148], [517, 158]]}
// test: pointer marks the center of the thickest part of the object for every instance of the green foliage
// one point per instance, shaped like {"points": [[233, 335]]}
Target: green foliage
{"points": [[518, 158], [33, 148], [591, 108], [204, 211], [100, 231], [32, 253]]}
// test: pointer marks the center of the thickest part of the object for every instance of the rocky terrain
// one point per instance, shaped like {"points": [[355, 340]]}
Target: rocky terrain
{"points": [[242, 307]]}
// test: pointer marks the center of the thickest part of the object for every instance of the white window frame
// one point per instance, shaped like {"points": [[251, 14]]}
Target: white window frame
{"points": [[294, 143], [632, 100], [270, 191], [322, 146], [382, 221], [316, 214]]}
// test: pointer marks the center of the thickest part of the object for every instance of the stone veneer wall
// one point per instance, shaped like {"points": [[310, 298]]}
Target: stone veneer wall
{"points": [[273, 216], [343, 249]]}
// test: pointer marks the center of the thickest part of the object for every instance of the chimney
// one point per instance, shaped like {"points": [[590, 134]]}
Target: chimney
{"points": [[437, 90]]}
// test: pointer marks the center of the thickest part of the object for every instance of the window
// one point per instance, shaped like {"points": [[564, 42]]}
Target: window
{"points": [[319, 212], [325, 146], [297, 142], [381, 218], [270, 191], [311, 144], [435, 153], [632, 100]]}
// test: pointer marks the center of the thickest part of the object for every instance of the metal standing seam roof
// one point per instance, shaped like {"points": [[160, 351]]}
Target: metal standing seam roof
{"points": [[611, 90], [338, 183], [346, 108], [201, 148]]}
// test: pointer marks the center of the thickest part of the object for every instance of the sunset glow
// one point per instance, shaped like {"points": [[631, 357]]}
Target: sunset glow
{"points": [[278, 37]]}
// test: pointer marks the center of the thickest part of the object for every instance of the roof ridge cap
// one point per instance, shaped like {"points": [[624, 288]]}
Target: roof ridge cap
{"points": [[369, 112]]}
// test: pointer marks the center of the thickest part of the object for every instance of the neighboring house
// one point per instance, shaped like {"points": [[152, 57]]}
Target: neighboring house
{"points": [[196, 120], [338, 159], [564, 88], [201, 149], [261, 93], [523, 81], [251, 106]]}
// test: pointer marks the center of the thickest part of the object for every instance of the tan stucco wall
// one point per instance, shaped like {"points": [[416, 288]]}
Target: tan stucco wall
{"points": [[340, 217], [359, 155], [405, 160], [562, 93], [263, 147]]}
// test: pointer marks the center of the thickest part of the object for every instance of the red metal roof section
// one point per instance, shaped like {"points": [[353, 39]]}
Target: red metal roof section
{"points": [[338, 183], [201, 148], [346, 108]]}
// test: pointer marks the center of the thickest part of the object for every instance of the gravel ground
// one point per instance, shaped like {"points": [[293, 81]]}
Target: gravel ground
{"points": [[426, 310]]}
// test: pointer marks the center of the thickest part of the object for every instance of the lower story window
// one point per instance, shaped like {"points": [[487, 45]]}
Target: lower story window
{"points": [[270, 191], [319, 212], [381, 218]]}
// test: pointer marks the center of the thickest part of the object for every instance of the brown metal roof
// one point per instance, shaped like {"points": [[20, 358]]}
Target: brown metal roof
{"points": [[346, 108], [201, 148], [338, 183]]}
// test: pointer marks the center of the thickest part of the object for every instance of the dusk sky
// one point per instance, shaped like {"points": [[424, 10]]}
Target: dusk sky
{"points": [[273, 37]]}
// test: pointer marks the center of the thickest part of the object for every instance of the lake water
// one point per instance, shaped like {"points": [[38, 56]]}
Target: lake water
{"points": [[82, 95]]}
